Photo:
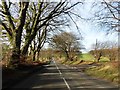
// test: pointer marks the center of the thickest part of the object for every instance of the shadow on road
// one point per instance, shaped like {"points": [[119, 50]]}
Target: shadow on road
{"points": [[49, 78]]}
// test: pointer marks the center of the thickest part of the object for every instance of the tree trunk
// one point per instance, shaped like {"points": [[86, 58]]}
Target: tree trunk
{"points": [[67, 54], [34, 55], [98, 59], [99, 56], [38, 54], [15, 58]]}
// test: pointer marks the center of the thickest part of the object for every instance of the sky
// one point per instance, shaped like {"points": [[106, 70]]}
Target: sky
{"points": [[89, 31]]}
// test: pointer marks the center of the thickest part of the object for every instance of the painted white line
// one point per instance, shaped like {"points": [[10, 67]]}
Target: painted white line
{"points": [[66, 83], [62, 77]]}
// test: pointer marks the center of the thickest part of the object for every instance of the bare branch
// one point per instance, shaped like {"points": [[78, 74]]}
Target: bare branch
{"points": [[8, 15]]}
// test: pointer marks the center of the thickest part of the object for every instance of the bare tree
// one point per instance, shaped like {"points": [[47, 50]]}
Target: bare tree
{"points": [[67, 43], [111, 51], [107, 49], [13, 29], [50, 16], [96, 52], [24, 20]]}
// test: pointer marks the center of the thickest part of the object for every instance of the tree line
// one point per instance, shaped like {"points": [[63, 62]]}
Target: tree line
{"points": [[28, 25], [67, 43], [105, 49]]}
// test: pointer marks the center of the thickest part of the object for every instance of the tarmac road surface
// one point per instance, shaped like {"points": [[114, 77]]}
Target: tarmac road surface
{"points": [[60, 77]]}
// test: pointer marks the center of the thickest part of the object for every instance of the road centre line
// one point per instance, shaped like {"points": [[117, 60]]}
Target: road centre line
{"points": [[62, 77]]}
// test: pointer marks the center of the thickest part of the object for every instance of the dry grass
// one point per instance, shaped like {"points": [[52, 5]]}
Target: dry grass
{"points": [[108, 71]]}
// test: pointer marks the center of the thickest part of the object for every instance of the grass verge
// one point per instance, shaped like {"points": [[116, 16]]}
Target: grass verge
{"points": [[108, 71]]}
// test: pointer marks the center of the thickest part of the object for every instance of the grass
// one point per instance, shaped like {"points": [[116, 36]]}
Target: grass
{"points": [[103, 70], [108, 71], [87, 57], [104, 59]]}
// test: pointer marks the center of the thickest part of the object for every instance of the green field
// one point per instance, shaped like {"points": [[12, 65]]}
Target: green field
{"points": [[89, 57], [86, 57]]}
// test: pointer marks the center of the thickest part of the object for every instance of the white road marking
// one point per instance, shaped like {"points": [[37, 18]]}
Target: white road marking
{"points": [[62, 77]]}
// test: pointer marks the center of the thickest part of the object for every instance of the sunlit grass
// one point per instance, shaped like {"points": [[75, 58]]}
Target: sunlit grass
{"points": [[104, 69], [87, 57], [107, 71], [104, 59]]}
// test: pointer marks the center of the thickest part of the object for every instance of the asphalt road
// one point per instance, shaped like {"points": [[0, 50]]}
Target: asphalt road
{"points": [[59, 77]]}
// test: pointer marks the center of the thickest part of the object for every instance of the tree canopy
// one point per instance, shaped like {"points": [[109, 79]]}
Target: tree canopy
{"points": [[68, 43], [30, 22]]}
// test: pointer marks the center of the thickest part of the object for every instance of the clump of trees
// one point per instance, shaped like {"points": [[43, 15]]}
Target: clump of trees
{"points": [[46, 54], [107, 16], [68, 43], [28, 24], [106, 49]]}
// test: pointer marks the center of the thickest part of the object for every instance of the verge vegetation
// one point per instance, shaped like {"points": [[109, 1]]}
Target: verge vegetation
{"points": [[104, 69], [108, 71]]}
